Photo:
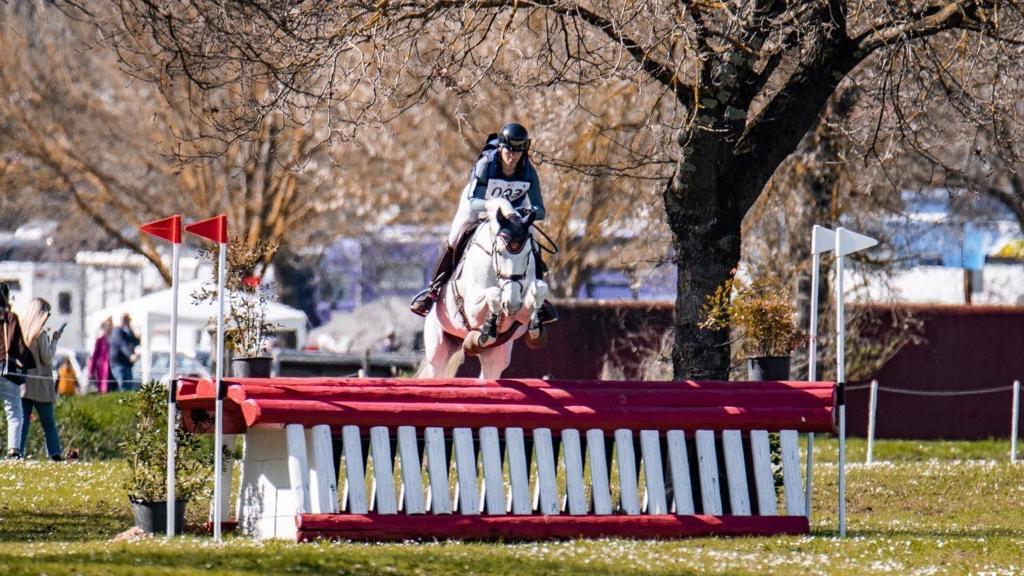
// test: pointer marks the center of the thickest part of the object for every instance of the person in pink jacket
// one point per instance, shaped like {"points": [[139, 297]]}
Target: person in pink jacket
{"points": [[99, 362]]}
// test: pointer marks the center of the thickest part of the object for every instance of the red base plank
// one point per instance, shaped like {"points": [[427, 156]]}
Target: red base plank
{"points": [[226, 526], [378, 527]]}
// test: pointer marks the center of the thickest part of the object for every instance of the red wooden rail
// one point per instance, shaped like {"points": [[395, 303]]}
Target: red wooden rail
{"points": [[605, 405]]}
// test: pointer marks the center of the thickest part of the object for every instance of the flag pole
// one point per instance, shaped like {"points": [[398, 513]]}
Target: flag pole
{"points": [[841, 382], [170, 229], [222, 263], [822, 240], [847, 242], [172, 385], [216, 229]]}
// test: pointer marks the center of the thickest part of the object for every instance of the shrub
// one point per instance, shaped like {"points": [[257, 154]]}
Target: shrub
{"points": [[761, 313], [145, 448], [94, 425], [246, 295]]}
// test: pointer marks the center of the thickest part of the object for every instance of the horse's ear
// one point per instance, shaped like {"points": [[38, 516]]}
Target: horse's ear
{"points": [[530, 218], [502, 221]]}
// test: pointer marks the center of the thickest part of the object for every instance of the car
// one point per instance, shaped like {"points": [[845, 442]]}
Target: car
{"points": [[189, 364]]}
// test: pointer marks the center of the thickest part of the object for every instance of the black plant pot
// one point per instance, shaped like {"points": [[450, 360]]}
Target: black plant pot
{"points": [[768, 368], [152, 516], [254, 367]]}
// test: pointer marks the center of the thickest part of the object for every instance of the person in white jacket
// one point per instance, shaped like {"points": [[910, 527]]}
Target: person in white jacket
{"points": [[39, 392]]}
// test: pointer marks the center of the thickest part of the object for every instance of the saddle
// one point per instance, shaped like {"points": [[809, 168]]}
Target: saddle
{"points": [[465, 236]]}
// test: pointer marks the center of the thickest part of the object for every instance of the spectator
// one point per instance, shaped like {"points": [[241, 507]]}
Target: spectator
{"points": [[123, 342], [67, 382], [13, 356], [38, 392], [99, 363]]}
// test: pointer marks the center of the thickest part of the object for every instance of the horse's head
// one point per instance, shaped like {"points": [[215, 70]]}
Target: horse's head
{"points": [[512, 250]]}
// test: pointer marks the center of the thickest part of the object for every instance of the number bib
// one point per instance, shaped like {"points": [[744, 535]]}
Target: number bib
{"points": [[513, 191]]}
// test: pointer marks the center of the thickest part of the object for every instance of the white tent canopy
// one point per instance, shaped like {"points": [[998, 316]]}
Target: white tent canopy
{"points": [[151, 320]]}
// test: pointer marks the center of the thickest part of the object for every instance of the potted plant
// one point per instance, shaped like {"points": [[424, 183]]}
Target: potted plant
{"points": [[762, 316], [146, 451], [247, 296]]}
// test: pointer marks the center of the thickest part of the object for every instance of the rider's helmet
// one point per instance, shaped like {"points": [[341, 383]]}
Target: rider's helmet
{"points": [[514, 137]]}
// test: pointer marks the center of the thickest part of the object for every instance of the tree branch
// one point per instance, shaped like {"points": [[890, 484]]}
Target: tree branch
{"points": [[659, 71], [928, 21]]}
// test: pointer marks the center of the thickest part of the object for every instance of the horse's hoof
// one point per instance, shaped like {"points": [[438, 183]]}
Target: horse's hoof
{"points": [[471, 346], [538, 342]]}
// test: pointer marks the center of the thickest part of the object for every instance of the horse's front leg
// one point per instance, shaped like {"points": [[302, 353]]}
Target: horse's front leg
{"points": [[536, 335], [484, 311]]}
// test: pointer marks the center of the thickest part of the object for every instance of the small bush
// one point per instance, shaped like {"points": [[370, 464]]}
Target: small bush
{"points": [[145, 447], [94, 425], [761, 313]]}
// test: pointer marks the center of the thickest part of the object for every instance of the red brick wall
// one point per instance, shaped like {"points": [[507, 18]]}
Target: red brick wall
{"points": [[587, 332], [965, 348]]}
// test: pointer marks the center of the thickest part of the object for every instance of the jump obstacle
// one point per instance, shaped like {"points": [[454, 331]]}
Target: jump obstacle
{"points": [[532, 458]]}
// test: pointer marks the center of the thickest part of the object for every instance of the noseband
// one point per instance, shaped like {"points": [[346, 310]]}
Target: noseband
{"points": [[515, 237]]}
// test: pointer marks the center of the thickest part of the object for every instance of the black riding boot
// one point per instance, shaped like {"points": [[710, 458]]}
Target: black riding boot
{"points": [[547, 312], [424, 301]]}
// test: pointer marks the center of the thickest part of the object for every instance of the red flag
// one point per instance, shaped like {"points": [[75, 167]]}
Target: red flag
{"points": [[168, 228], [215, 228]]}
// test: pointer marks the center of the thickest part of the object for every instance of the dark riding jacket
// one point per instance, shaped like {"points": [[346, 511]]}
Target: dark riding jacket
{"points": [[523, 184]]}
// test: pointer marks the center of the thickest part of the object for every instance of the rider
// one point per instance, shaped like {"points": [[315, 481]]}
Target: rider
{"points": [[503, 170]]}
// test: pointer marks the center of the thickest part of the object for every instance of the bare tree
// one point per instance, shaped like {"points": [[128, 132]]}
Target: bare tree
{"points": [[735, 85], [82, 138]]}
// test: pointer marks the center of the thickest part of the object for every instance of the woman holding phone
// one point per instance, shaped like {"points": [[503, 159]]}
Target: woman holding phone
{"points": [[39, 392]]}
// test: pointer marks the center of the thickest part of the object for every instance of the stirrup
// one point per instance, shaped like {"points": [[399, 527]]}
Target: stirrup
{"points": [[547, 313], [422, 303]]}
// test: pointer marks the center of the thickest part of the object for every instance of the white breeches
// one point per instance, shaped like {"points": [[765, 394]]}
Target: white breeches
{"points": [[464, 214]]}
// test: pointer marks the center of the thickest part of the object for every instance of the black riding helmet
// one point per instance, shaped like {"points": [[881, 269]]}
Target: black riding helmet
{"points": [[514, 137]]}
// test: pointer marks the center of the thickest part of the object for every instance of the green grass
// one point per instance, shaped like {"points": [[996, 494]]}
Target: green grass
{"points": [[930, 508]]}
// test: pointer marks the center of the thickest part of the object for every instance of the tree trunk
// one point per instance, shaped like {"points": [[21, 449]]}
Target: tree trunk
{"points": [[725, 161], [700, 202]]}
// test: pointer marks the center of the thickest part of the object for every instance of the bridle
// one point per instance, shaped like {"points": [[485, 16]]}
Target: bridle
{"points": [[504, 279]]}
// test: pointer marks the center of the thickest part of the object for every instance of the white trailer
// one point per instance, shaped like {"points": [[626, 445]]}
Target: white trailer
{"points": [[60, 284]]}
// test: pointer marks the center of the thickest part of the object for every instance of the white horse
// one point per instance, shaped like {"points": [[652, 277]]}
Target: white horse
{"points": [[490, 301]]}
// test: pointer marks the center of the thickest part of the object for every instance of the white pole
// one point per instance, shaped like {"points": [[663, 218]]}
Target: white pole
{"points": [[812, 371], [872, 409], [172, 418], [841, 386], [1013, 422], [822, 240], [219, 416], [847, 242], [812, 353]]}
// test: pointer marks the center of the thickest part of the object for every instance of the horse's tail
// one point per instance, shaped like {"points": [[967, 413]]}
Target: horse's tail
{"points": [[454, 363]]}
